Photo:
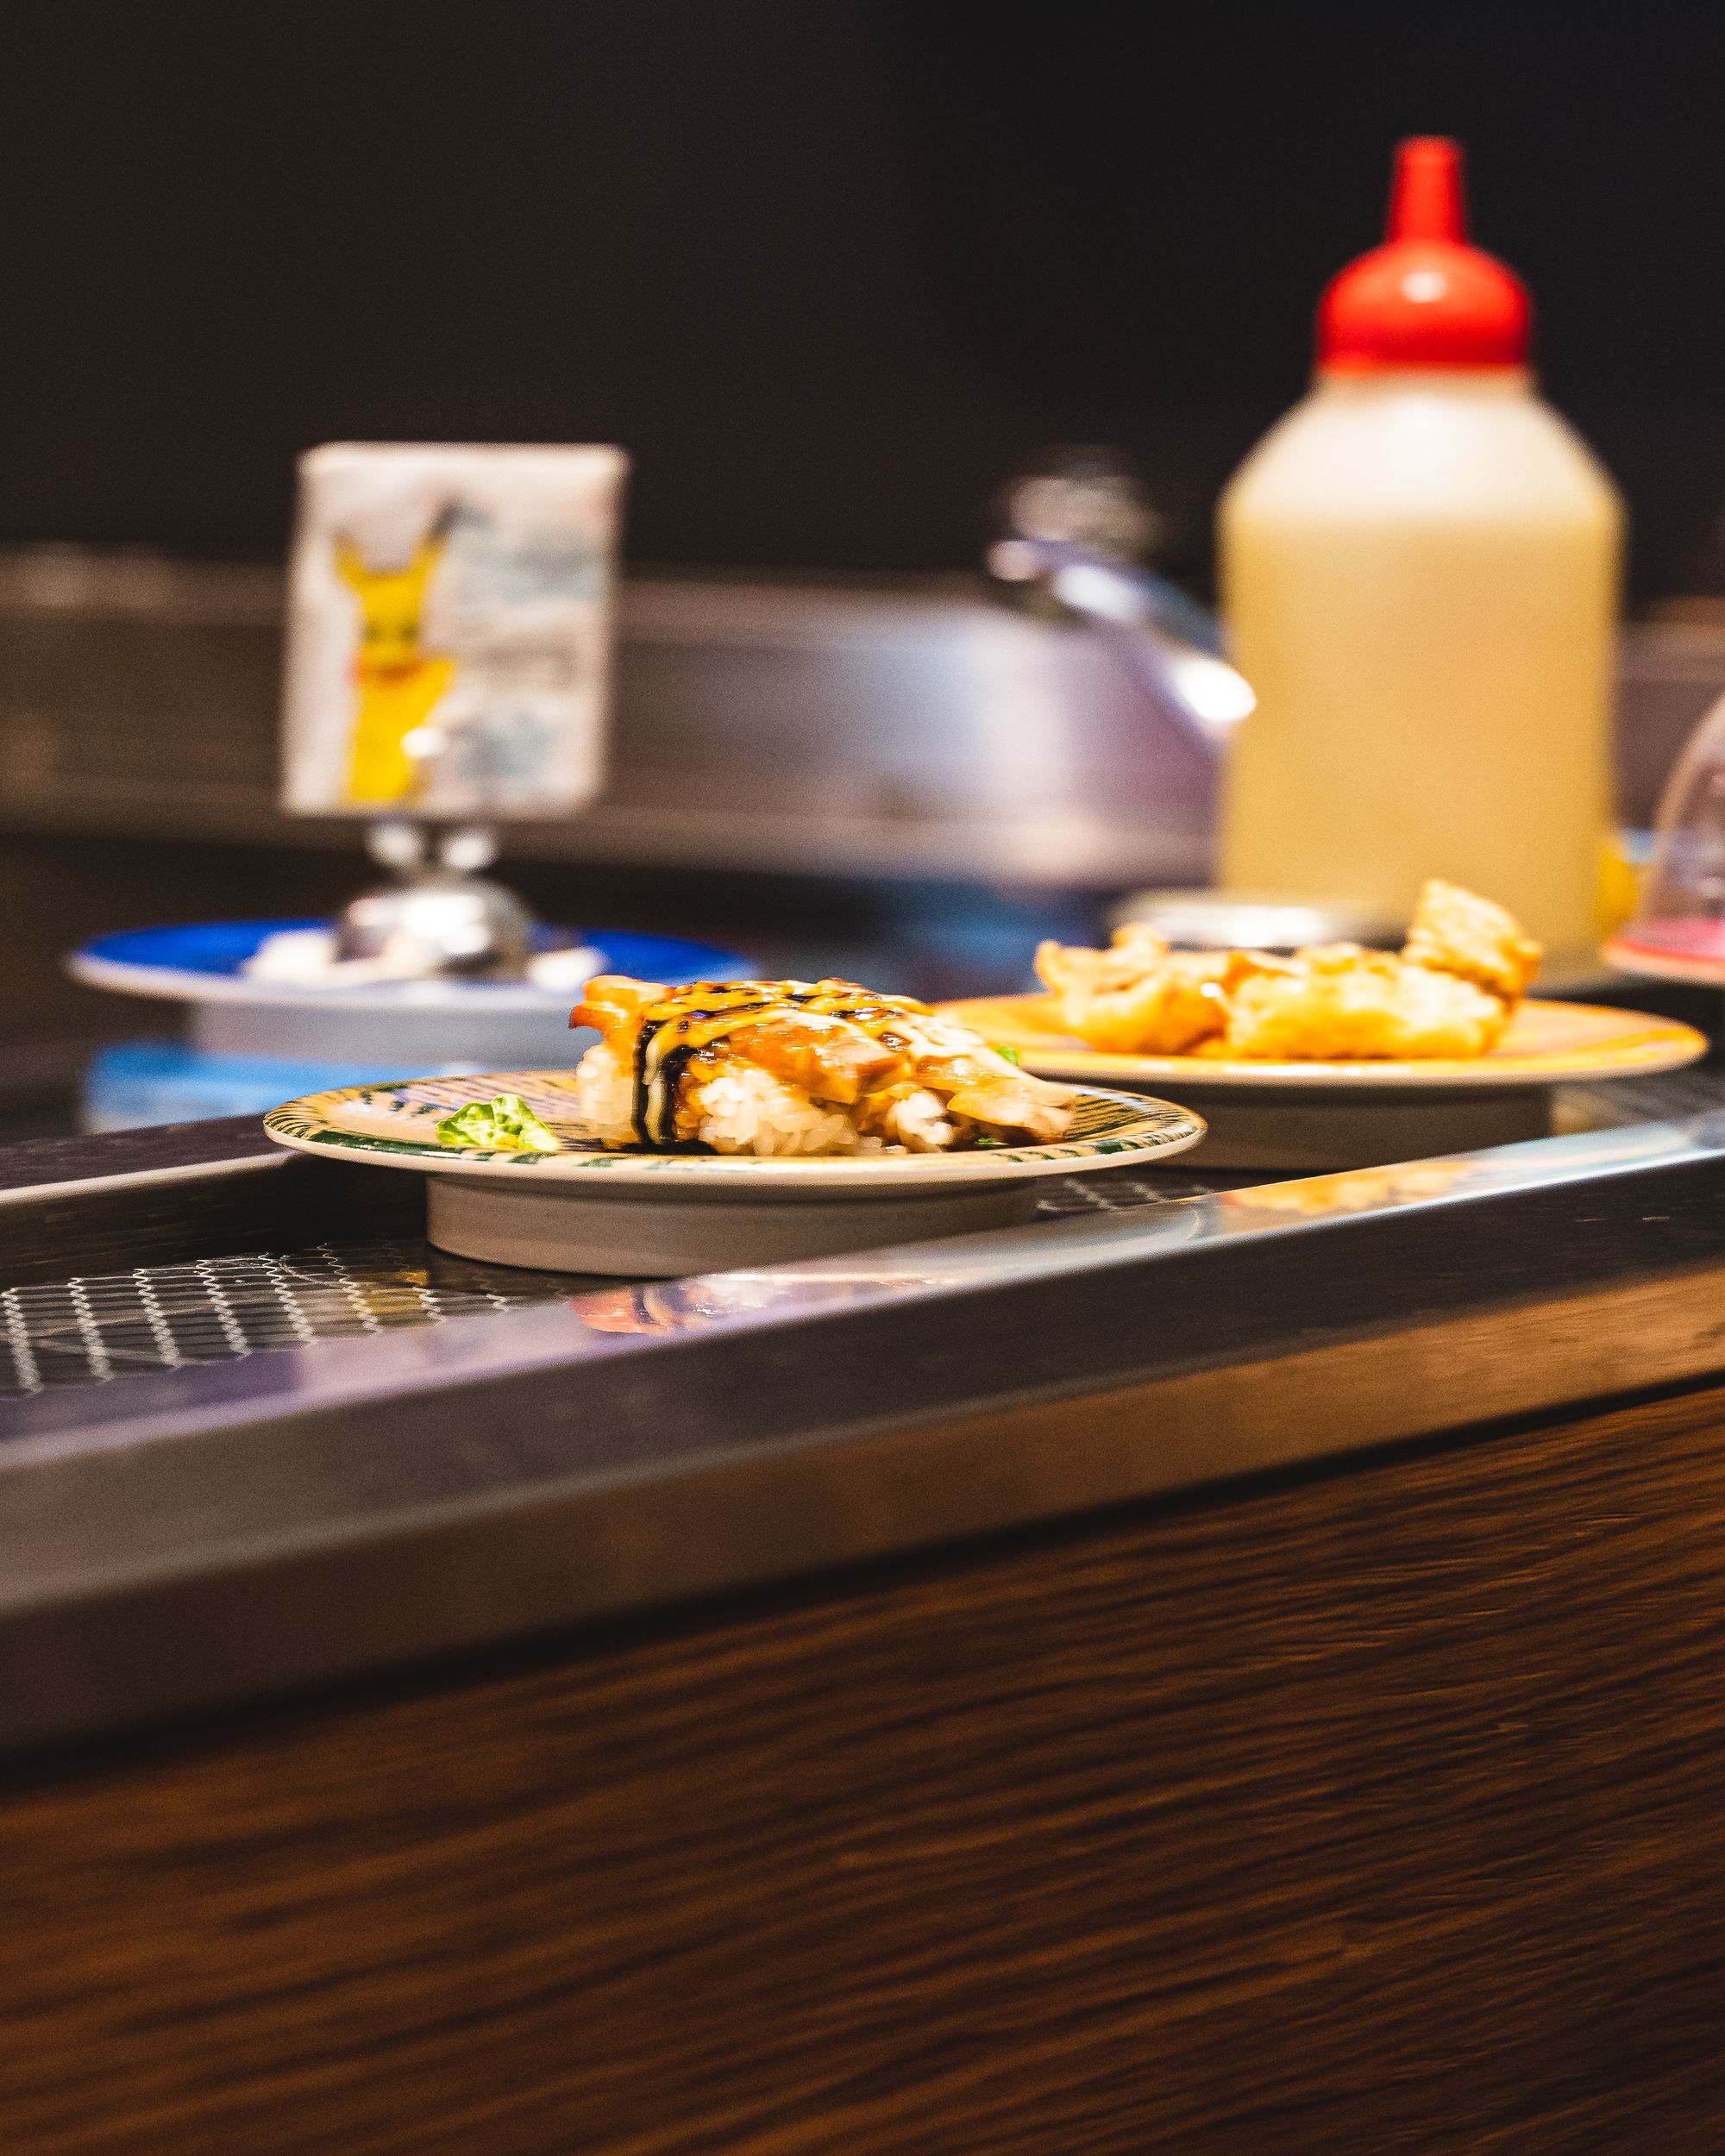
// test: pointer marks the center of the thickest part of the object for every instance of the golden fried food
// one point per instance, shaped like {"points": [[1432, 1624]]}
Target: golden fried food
{"points": [[1358, 1006], [1449, 994], [1138, 998], [1452, 932]]}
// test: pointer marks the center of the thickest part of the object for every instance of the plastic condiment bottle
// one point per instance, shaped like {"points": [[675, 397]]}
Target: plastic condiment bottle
{"points": [[1419, 573]]}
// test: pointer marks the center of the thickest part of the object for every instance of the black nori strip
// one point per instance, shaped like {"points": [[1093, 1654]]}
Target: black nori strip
{"points": [[657, 1130], [672, 1066], [637, 1116]]}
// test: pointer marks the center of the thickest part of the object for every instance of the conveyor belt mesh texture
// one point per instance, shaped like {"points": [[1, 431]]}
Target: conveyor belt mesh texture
{"points": [[85, 1330]]}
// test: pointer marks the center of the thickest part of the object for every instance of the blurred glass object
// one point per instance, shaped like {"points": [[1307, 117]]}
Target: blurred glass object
{"points": [[1677, 931], [1086, 498]]}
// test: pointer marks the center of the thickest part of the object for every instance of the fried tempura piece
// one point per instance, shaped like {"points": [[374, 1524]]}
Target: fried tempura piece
{"points": [[1138, 997], [1449, 993], [1340, 1004], [1454, 932]]}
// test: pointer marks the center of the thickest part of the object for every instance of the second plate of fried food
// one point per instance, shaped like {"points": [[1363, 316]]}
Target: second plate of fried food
{"points": [[1333, 1057], [1543, 1044]]}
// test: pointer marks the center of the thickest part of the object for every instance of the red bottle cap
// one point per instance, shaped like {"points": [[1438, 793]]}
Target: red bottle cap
{"points": [[1424, 297]]}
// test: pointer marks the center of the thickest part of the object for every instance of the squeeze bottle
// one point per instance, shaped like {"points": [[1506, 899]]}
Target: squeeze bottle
{"points": [[1419, 571]]}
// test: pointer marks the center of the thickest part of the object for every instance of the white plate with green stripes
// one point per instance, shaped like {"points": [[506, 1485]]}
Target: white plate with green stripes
{"points": [[573, 1203]]}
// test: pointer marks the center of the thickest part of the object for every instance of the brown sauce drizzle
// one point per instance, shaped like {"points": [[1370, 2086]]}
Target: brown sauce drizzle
{"points": [[673, 1031]]}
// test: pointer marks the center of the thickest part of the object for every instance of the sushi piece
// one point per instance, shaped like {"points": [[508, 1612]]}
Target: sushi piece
{"points": [[783, 1067]]}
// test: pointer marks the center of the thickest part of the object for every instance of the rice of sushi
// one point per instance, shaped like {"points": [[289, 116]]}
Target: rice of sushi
{"points": [[746, 1110]]}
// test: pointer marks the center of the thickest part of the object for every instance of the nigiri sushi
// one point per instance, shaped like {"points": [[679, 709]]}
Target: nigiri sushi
{"points": [[789, 1067]]}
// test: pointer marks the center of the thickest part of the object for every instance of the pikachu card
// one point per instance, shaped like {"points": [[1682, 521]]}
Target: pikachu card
{"points": [[449, 620]]}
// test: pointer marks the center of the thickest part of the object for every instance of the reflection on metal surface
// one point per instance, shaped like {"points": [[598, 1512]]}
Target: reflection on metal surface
{"points": [[691, 1306], [1080, 1244], [92, 1329], [537, 1324], [1358, 1190]]}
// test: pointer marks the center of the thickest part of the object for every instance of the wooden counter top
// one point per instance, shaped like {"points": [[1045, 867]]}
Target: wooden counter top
{"points": [[1242, 1675]]}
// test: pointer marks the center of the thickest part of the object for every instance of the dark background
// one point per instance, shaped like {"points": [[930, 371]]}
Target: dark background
{"points": [[830, 268]]}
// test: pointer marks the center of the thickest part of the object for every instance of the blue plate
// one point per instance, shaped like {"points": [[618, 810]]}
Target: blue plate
{"points": [[222, 948], [131, 1083]]}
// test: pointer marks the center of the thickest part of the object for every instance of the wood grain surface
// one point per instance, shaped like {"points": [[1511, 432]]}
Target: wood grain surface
{"points": [[1379, 1811]]}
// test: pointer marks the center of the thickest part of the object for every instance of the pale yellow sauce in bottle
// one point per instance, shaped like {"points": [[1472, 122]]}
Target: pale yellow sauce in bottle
{"points": [[1419, 572]]}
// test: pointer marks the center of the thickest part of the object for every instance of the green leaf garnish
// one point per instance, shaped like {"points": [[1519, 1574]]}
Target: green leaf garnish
{"points": [[503, 1124], [1011, 1054], [982, 1142]]}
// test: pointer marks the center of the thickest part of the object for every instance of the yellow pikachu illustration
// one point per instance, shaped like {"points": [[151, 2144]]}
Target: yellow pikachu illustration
{"points": [[397, 683]]}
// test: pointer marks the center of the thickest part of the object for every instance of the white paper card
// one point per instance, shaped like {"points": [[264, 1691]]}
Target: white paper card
{"points": [[449, 628]]}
